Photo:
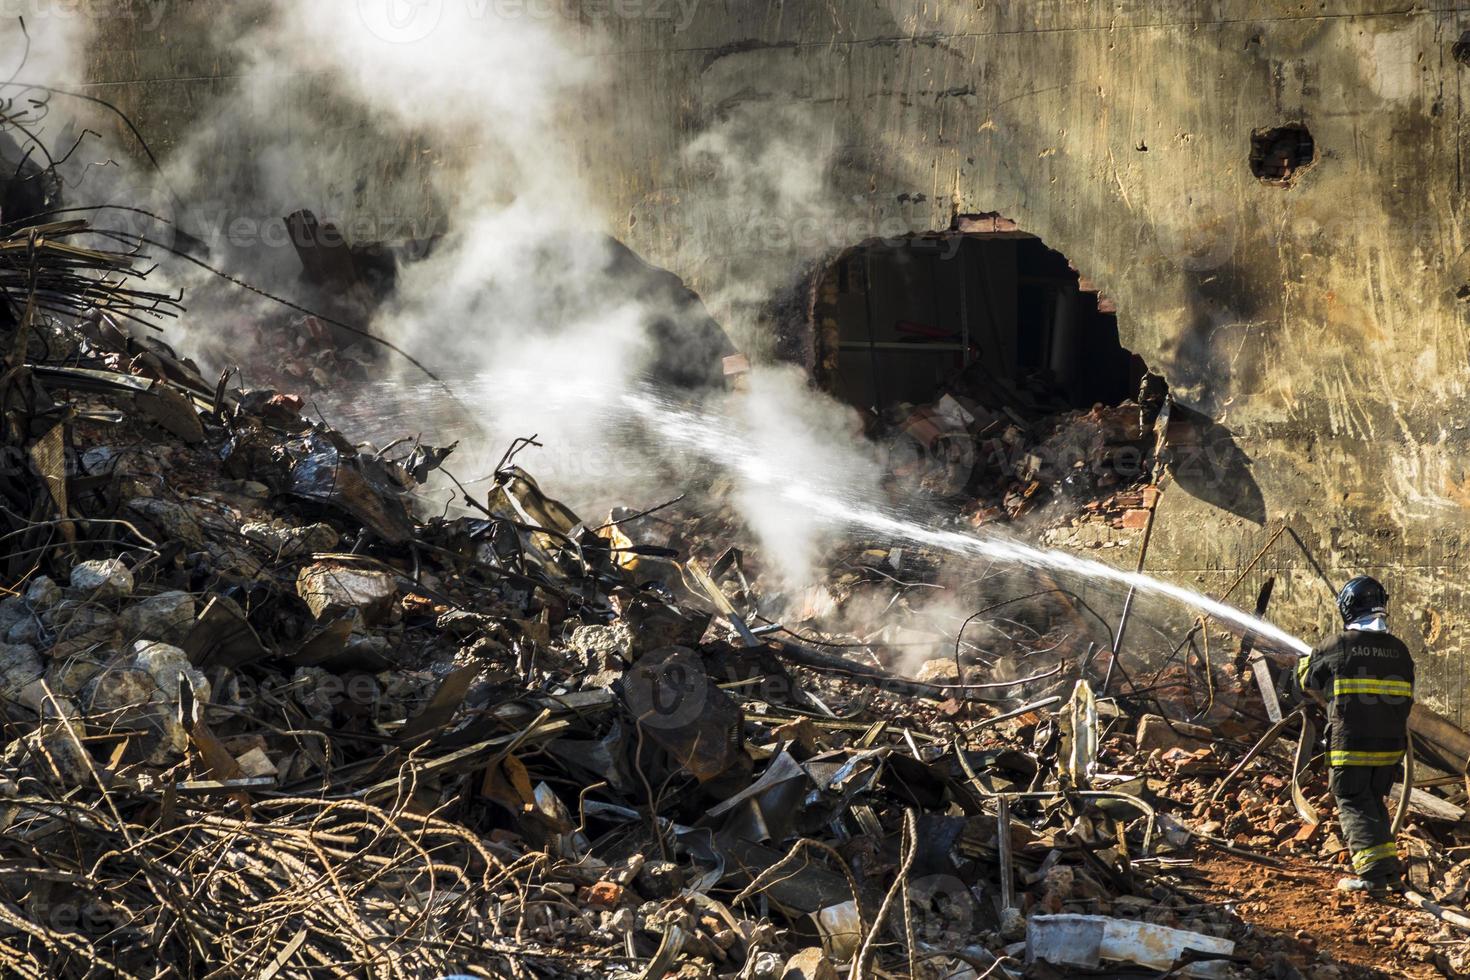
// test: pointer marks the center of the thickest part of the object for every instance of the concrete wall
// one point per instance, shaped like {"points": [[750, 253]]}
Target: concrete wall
{"points": [[1318, 325]]}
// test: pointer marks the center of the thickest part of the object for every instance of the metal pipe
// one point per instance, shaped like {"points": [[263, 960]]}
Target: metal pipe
{"points": [[1161, 425]]}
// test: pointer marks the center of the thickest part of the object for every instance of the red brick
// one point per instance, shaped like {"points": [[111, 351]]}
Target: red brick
{"points": [[603, 895]]}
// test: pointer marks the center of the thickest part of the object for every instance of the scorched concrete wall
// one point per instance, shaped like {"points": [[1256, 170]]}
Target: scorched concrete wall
{"points": [[1321, 325]]}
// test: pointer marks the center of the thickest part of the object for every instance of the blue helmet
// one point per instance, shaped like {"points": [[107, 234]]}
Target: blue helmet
{"points": [[1363, 596]]}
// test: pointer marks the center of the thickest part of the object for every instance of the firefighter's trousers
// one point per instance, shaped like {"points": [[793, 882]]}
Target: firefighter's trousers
{"points": [[1360, 793]]}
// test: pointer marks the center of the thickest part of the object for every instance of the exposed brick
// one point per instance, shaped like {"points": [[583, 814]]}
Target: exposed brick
{"points": [[603, 895]]}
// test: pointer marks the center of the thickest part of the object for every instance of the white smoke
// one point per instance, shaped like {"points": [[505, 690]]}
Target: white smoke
{"points": [[526, 309], [476, 128], [47, 45], [39, 126], [767, 171], [797, 436], [472, 126], [495, 87]]}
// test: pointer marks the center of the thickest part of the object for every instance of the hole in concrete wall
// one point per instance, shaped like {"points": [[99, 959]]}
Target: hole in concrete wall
{"points": [[991, 369], [1279, 155], [897, 321]]}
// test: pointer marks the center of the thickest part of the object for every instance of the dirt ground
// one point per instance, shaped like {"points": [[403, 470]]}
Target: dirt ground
{"points": [[1295, 919]]}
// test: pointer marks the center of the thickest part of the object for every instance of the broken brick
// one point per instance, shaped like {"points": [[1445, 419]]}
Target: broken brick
{"points": [[602, 895]]}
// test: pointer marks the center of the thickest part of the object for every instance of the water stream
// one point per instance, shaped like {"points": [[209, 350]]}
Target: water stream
{"points": [[678, 428], [720, 439]]}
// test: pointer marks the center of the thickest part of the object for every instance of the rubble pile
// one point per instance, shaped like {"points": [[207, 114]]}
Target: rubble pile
{"points": [[1004, 462], [314, 360], [265, 715]]}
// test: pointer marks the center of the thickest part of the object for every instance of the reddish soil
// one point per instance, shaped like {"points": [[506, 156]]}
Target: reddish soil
{"points": [[1297, 915]]}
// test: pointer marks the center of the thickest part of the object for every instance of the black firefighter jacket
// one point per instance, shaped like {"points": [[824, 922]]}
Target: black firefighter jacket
{"points": [[1367, 679]]}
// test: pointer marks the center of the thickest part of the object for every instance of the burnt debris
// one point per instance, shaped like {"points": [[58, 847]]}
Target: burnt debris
{"points": [[262, 714], [266, 714]]}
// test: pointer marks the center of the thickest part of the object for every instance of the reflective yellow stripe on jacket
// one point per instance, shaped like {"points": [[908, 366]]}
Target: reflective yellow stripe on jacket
{"points": [[1372, 855], [1371, 685], [1342, 757]]}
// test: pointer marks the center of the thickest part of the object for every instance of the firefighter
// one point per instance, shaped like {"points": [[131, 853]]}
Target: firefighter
{"points": [[1366, 676]]}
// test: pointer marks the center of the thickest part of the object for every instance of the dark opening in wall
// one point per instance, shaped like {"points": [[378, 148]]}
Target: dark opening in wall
{"points": [[897, 322], [991, 371], [1278, 155]]}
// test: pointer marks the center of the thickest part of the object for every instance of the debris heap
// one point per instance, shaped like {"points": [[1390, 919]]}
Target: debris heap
{"points": [[1001, 454], [265, 716]]}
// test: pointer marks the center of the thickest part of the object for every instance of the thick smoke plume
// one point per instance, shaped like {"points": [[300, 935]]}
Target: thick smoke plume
{"points": [[475, 134], [472, 132], [519, 305]]}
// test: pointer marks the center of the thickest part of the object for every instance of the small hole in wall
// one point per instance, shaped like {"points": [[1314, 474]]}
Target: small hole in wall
{"points": [[1279, 155], [1461, 49]]}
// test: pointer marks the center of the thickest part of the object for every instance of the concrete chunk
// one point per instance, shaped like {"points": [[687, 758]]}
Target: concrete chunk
{"points": [[19, 666], [331, 589], [1154, 733], [70, 619], [171, 520], [614, 640], [42, 593], [27, 630], [53, 751], [257, 763], [68, 675], [166, 665], [104, 579], [129, 699], [1089, 940], [291, 542], [811, 963], [940, 670], [119, 691], [167, 616]]}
